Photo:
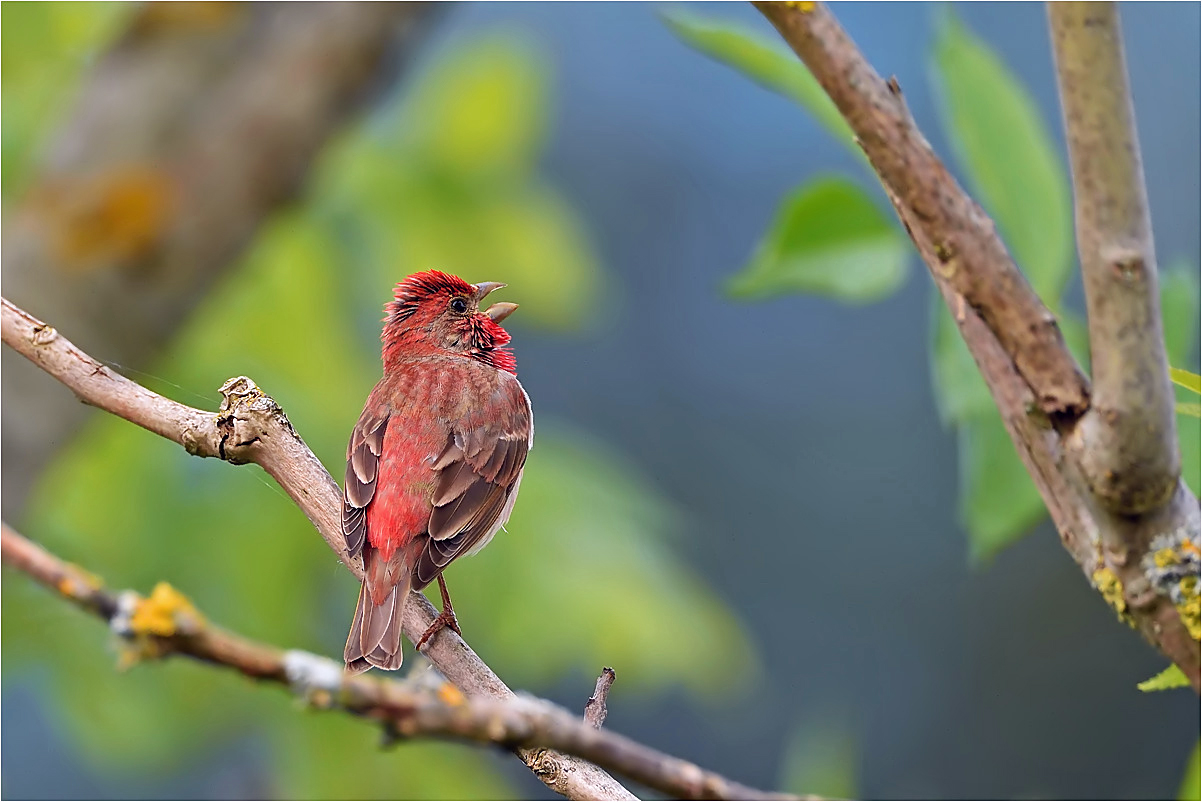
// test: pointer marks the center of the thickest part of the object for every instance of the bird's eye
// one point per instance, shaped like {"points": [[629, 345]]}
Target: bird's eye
{"points": [[458, 305]]}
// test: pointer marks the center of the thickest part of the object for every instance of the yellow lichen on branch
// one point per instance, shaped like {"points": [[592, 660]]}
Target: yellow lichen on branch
{"points": [[165, 613], [1111, 588]]}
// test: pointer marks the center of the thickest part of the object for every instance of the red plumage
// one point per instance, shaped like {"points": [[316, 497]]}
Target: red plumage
{"points": [[435, 461]]}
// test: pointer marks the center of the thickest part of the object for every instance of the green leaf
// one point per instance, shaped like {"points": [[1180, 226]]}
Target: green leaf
{"points": [[1189, 440], [445, 193], [960, 393], [1179, 311], [1188, 380], [998, 501], [481, 108], [764, 60], [830, 239], [1171, 677], [1189, 409], [1193, 772], [821, 759], [1007, 153], [1076, 336]]}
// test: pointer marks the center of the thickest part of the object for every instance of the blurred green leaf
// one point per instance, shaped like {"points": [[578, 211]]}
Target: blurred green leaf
{"points": [[960, 393], [821, 759], [1171, 677], [1179, 311], [411, 195], [44, 50], [334, 756], [1189, 440], [1076, 336], [828, 238], [764, 60], [998, 502], [481, 110], [1008, 154], [1193, 776], [1186, 379]]}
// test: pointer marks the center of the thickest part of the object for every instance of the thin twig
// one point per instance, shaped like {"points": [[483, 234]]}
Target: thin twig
{"points": [[595, 709], [1036, 384], [166, 624], [1128, 441]]}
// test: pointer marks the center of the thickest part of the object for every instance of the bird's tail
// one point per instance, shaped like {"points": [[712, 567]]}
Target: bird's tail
{"points": [[375, 637]]}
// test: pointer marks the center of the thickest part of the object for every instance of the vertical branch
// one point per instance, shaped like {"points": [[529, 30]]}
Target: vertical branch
{"points": [[1127, 443]]}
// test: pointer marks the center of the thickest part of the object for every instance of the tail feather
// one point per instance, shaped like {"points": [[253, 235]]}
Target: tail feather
{"points": [[375, 636]]}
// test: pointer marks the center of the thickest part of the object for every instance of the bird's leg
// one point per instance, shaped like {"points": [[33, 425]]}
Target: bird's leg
{"points": [[446, 618]]}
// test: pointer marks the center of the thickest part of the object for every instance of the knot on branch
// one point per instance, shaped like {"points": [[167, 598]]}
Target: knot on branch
{"points": [[246, 417]]}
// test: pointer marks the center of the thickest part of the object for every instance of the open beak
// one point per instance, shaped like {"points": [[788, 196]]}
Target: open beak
{"points": [[500, 311], [497, 312], [485, 287]]}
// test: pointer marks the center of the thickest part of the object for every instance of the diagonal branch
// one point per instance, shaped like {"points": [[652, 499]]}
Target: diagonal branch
{"points": [[251, 427], [167, 624], [1144, 566], [1128, 441], [971, 258]]}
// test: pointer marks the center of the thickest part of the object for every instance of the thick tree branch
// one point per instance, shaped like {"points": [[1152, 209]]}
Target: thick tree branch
{"points": [[251, 427], [1144, 566], [166, 623], [1128, 441]]}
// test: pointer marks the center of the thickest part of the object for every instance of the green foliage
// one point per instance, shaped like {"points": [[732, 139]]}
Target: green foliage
{"points": [[1010, 160], [446, 180], [828, 239], [46, 47], [1171, 677], [821, 759], [588, 554], [1008, 154], [998, 500], [763, 60], [1193, 775]]}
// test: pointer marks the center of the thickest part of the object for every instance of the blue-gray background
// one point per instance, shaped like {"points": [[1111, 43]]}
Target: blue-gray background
{"points": [[802, 437]]}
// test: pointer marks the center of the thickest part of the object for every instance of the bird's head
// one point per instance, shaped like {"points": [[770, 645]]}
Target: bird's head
{"points": [[437, 311]]}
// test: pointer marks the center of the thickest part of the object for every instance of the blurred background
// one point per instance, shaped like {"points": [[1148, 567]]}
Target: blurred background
{"points": [[802, 551]]}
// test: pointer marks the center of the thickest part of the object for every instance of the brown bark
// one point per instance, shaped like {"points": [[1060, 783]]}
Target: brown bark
{"points": [[1041, 393]]}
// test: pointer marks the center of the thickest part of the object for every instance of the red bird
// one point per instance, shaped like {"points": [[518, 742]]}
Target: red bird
{"points": [[434, 463]]}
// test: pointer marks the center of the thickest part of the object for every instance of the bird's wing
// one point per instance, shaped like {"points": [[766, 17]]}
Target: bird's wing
{"points": [[477, 478], [362, 463]]}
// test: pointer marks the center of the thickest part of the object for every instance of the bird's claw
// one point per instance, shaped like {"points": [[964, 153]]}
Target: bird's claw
{"points": [[445, 620]]}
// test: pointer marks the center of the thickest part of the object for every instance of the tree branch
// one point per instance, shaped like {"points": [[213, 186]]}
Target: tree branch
{"points": [[595, 709], [166, 624], [251, 427], [1144, 566], [1128, 441]]}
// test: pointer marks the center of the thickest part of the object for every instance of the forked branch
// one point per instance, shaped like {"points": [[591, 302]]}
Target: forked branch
{"points": [[1144, 565]]}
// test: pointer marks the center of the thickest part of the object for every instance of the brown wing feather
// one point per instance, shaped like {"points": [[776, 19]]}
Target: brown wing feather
{"points": [[478, 472], [362, 463]]}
